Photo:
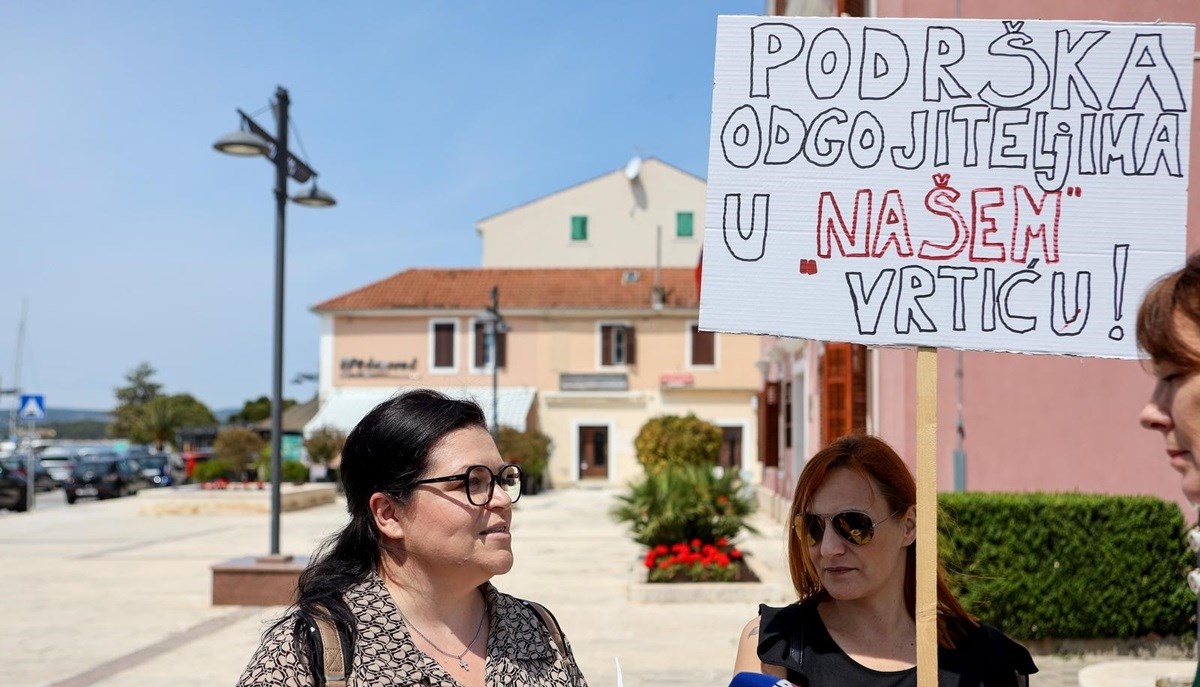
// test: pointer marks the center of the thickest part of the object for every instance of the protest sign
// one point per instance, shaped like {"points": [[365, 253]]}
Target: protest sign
{"points": [[970, 184]]}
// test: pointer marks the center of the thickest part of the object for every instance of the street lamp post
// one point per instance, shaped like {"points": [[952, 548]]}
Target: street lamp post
{"points": [[494, 324], [252, 140]]}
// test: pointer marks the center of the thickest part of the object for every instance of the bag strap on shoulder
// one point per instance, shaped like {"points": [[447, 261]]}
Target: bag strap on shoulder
{"points": [[334, 667], [550, 622], [331, 652]]}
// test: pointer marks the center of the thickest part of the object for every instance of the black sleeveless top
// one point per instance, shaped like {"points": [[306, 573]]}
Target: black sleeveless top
{"points": [[795, 638]]}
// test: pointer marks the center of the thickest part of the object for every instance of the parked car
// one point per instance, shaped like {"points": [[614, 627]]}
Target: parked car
{"points": [[42, 480], [101, 476], [57, 461], [13, 490], [157, 470]]}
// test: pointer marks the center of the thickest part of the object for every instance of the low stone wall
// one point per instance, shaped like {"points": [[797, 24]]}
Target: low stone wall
{"points": [[191, 500], [767, 590]]}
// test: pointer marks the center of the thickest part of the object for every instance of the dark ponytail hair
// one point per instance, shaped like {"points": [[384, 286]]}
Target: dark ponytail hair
{"points": [[388, 451]]}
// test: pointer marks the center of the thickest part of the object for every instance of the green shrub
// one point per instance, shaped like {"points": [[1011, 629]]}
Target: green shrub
{"points": [[324, 445], [294, 471], [1069, 565], [674, 440], [237, 448], [210, 470], [680, 503], [530, 450]]}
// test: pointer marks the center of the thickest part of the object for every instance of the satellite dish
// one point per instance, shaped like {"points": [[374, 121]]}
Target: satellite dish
{"points": [[633, 168]]}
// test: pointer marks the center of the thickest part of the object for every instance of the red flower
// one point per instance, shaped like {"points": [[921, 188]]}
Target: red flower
{"points": [[661, 550], [735, 554], [695, 543], [664, 565], [723, 542], [723, 560]]}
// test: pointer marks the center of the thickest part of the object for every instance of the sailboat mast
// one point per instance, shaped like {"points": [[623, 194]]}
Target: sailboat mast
{"points": [[16, 387]]}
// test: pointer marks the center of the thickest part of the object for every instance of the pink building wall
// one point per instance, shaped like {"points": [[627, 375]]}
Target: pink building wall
{"points": [[1041, 422]]}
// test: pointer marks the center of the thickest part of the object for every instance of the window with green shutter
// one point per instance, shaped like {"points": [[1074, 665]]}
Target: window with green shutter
{"points": [[579, 228], [683, 224]]}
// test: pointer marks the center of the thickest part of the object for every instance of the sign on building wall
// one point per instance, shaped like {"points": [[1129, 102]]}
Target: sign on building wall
{"points": [[989, 185]]}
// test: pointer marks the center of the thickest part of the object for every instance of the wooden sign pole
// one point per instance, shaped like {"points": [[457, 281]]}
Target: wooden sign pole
{"points": [[927, 655]]}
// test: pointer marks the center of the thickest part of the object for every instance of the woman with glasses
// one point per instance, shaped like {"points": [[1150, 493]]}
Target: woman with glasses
{"points": [[853, 563], [402, 592]]}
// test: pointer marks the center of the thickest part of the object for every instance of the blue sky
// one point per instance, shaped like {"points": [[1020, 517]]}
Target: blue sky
{"points": [[132, 240]]}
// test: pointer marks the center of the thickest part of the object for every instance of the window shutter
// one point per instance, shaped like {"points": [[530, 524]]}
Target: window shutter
{"points": [[502, 349], [630, 346], [836, 384], [768, 425], [683, 224], [579, 228], [480, 344], [703, 347], [443, 345], [606, 352]]}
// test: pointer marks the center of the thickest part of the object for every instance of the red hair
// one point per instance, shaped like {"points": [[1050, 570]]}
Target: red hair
{"points": [[870, 458], [1174, 295]]}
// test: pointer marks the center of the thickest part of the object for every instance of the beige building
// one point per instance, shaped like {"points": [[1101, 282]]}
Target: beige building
{"points": [[613, 220], [589, 356], [599, 340]]}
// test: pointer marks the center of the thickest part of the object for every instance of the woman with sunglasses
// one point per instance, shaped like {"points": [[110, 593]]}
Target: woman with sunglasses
{"points": [[853, 563], [403, 589]]}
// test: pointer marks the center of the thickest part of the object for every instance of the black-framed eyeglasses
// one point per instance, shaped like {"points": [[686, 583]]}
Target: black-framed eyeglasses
{"points": [[854, 526], [480, 482]]}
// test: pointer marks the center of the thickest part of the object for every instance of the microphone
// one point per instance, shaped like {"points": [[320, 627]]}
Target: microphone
{"points": [[746, 679]]}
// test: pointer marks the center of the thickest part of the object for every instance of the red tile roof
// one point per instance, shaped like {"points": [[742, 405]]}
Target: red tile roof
{"points": [[470, 288]]}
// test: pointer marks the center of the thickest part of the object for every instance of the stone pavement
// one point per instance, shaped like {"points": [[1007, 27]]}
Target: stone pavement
{"points": [[97, 595]]}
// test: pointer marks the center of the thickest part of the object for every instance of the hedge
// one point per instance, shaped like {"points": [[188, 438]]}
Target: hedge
{"points": [[1069, 566]]}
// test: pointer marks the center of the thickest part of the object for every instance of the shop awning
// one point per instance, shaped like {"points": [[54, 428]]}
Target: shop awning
{"points": [[345, 406]]}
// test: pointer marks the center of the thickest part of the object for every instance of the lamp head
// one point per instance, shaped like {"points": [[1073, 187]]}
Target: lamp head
{"points": [[242, 143], [314, 197]]}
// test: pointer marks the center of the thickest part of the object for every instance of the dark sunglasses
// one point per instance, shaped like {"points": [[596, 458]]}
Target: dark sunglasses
{"points": [[480, 482], [854, 526]]}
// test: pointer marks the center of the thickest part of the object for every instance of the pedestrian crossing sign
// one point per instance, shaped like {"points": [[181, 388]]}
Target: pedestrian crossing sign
{"points": [[33, 407]]}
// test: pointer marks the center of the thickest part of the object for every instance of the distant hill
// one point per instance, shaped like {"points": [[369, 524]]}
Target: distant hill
{"points": [[223, 414], [57, 415]]}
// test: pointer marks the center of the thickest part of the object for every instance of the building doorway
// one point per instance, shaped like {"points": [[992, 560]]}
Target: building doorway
{"points": [[730, 457], [593, 451]]}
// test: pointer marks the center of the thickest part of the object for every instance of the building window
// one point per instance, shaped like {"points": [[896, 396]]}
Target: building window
{"points": [[579, 228], [444, 335], [683, 224], [482, 359], [617, 345], [787, 415], [704, 347]]}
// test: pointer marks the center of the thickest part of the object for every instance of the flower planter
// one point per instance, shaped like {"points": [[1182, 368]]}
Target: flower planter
{"points": [[767, 588]]}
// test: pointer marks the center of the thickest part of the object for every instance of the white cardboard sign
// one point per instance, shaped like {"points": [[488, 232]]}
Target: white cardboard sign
{"points": [[970, 184]]}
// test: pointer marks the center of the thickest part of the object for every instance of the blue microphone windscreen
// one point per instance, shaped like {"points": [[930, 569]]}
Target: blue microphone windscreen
{"points": [[758, 680]]}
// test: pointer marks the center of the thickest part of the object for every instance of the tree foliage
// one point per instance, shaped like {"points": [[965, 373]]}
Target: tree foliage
{"points": [[530, 450], [138, 390], [237, 449], [673, 440], [144, 415], [258, 409], [324, 445]]}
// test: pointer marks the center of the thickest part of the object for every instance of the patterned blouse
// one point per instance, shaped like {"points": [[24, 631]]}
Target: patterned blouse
{"points": [[520, 649]]}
